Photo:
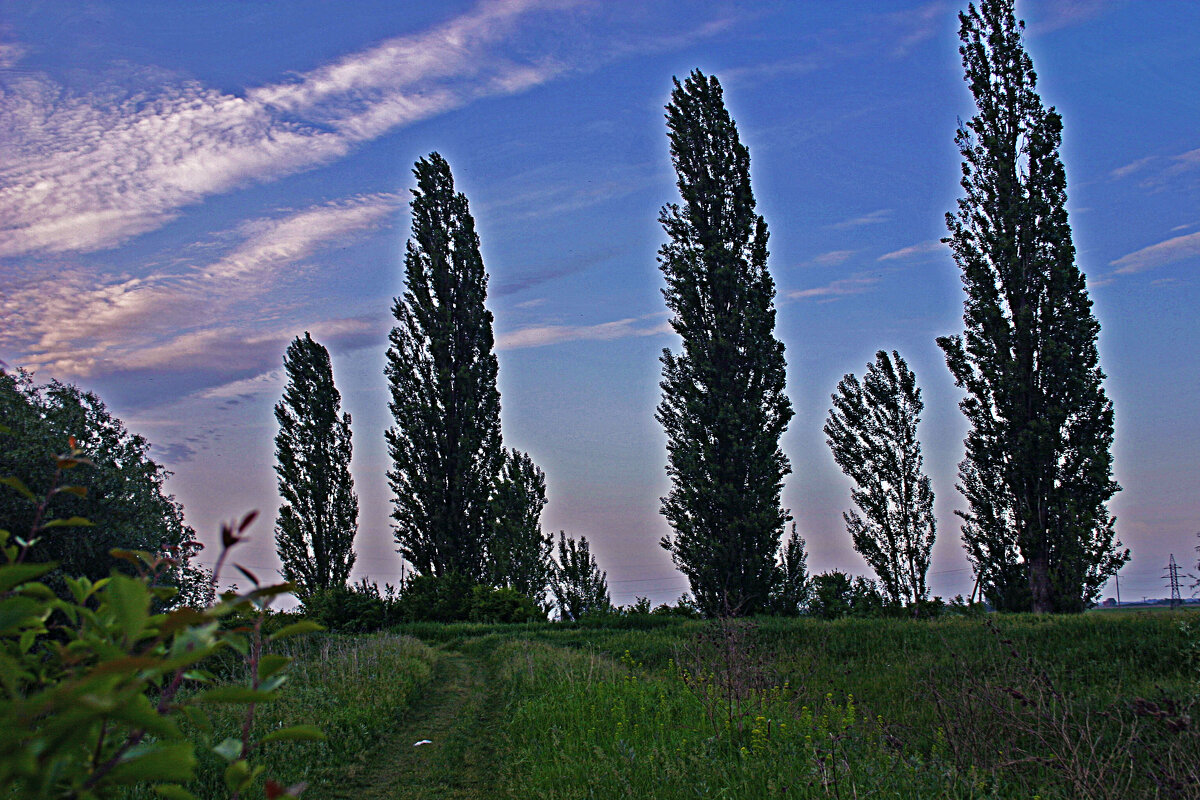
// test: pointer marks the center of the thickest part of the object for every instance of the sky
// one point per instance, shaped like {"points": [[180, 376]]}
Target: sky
{"points": [[186, 187]]}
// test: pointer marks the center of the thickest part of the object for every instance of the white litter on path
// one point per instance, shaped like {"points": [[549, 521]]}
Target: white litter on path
{"points": [[423, 741]]}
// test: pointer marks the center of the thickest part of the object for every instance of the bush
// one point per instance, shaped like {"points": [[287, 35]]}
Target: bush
{"points": [[503, 605], [96, 684], [350, 609], [435, 598], [836, 594]]}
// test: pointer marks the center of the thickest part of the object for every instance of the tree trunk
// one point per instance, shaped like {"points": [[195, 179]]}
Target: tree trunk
{"points": [[1039, 585]]}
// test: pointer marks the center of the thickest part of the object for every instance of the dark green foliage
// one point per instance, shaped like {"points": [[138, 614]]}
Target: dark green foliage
{"points": [[120, 487], [436, 598], [579, 587], [503, 604], [791, 592], [452, 598], [314, 532], [836, 594], [872, 430], [723, 406], [358, 608], [519, 553], [1038, 471], [445, 446]]}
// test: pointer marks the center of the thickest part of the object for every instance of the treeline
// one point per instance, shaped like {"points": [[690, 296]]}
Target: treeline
{"points": [[1037, 475], [1038, 469]]}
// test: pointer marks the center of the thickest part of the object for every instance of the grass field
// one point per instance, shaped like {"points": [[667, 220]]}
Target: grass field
{"points": [[651, 707]]}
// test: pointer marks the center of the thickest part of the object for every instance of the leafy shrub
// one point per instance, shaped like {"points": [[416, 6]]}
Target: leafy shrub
{"points": [[359, 608], [436, 598], [96, 684], [503, 605]]}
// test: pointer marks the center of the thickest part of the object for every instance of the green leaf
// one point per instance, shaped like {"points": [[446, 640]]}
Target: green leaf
{"points": [[129, 600], [78, 491], [295, 733], [155, 762], [295, 629], [12, 575], [199, 718], [140, 713], [18, 612], [237, 775], [271, 663], [230, 749], [69, 522], [16, 483], [173, 792], [234, 694]]}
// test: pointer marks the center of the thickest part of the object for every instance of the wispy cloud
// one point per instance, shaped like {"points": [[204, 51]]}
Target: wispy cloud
{"points": [[832, 258], [921, 248], [1126, 170], [1158, 171], [855, 284], [77, 323], [917, 25], [543, 335], [1178, 248], [873, 218], [86, 172], [1057, 14]]}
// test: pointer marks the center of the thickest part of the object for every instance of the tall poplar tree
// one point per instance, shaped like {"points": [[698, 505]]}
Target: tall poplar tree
{"points": [[723, 406], [441, 368], [1038, 471], [872, 430], [519, 554], [315, 528]]}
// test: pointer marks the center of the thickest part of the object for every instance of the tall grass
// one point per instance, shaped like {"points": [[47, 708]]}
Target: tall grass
{"points": [[354, 688], [1054, 707]]}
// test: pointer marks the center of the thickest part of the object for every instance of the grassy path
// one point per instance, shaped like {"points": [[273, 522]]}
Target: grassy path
{"points": [[458, 714]]}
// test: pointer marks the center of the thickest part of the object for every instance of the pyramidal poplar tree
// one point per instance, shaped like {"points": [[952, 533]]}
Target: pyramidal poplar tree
{"points": [[520, 555], [315, 528], [441, 369], [872, 430], [1038, 470], [723, 404]]}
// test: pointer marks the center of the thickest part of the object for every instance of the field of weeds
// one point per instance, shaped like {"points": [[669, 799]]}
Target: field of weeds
{"points": [[1016, 706]]}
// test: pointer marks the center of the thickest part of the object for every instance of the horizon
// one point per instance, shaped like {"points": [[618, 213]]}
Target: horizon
{"points": [[188, 188]]}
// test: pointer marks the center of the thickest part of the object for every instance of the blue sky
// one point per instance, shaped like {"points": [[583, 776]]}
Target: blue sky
{"points": [[185, 187]]}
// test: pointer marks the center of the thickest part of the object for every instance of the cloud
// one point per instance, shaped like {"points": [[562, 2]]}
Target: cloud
{"points": [[86, 172], [873, 218], [1130, 168], [832, 258], [1058, 14], [10, 54], [856, 284], [931, 246], [1167, 168], [917, 25], [1157, 255], [172, 453], [226, 312], [543, 335]]}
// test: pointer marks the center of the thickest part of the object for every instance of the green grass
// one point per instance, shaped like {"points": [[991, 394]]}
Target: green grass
{"points": [[669, 708], [354, 688], [841, 709]]}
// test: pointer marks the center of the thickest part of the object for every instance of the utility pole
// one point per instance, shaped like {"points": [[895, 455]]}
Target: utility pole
{"points": [[1172, 577], [1118, 577]]}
